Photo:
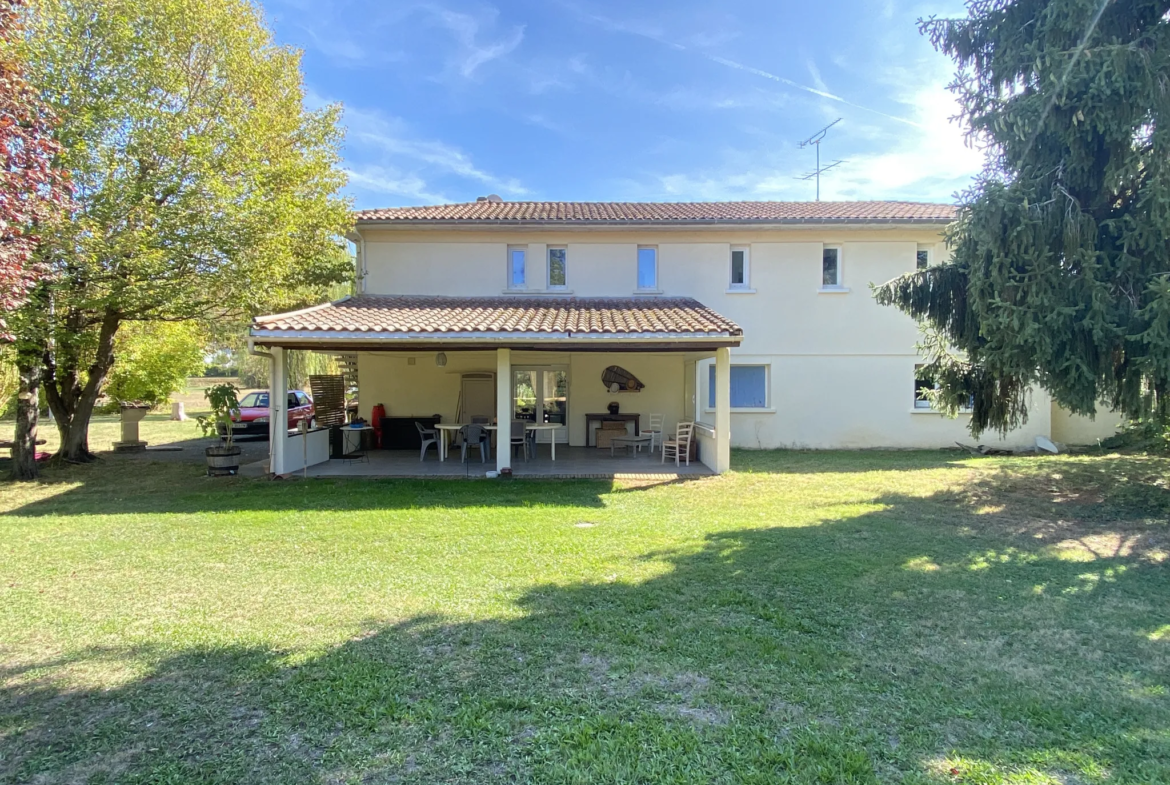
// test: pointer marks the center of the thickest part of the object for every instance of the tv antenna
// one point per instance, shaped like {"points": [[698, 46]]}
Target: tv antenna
{"points": [[815, 141]]}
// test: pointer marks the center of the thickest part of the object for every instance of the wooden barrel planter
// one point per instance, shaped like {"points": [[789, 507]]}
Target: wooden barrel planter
{"points": [[222, 461]]}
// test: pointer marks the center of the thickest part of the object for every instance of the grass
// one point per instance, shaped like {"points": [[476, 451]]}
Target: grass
{"points": [[809, 618], [157, 428]]}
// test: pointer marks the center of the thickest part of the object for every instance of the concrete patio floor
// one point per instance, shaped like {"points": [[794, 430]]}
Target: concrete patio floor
{"points": [[571, 462]]}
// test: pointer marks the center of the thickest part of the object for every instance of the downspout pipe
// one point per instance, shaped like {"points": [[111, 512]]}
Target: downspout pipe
{"points": [[360, 268], [252, 350]]}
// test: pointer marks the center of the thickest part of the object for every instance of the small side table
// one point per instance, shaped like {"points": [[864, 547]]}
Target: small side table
{"points": [[631, 440], [358, 454]]}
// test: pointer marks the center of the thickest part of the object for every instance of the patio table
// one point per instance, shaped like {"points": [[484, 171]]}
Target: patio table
{"points": [[630, 441], [546, 426], [447, 428]]}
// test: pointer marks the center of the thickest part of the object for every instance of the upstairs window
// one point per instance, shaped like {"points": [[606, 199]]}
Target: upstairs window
{"points": [[740, 267], [647, 268], [831, 268], [557, 267], [749, 387], [517, 258], [922, 260]]}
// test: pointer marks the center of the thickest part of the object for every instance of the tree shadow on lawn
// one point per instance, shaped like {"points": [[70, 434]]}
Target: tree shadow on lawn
{"points": [[116, 487], [118, 484], [1007, 629]]}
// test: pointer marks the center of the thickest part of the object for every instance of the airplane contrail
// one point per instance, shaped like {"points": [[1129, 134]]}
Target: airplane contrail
{"points": [[774, 77]]}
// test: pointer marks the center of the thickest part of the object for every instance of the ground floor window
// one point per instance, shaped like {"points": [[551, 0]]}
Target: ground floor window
{"points": [[749, 387], [923, 386]]}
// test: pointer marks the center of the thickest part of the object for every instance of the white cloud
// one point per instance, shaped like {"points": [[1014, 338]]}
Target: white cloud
{"points": [[654, 33], [335, 45], [402, 163], [473, 53], [927, 161], [392, 182], [934, 161], [815, 73]]}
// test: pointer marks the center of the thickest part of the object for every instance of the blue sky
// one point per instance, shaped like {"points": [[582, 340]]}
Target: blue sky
{"points": [[598, 100]]}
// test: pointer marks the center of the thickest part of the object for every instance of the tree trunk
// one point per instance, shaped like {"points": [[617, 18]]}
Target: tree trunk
{"points": [[24, 446], [72, 404]]}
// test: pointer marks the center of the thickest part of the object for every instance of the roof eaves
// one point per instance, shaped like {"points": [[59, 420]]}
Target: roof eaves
{"points": [[428, 223], [271, 317]]}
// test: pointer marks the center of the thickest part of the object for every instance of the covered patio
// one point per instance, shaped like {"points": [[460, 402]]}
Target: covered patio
{"points": [[561, 365]]}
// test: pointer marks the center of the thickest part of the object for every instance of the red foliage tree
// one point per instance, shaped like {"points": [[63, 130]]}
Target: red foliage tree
{"points": [[32, 189]]}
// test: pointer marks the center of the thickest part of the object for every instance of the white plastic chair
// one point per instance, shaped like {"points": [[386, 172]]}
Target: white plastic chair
{"points": [[428, 436]]}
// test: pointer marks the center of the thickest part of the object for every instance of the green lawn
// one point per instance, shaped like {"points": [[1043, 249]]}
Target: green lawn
{"points": [[809, 618]]}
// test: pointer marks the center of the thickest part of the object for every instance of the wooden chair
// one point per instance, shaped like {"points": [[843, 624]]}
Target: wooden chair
{"points": [[654, 430], [520, 437], [476, 436], [429, 436], [680, 446]]}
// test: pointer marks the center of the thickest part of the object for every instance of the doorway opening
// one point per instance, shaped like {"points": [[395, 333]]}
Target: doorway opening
{"points": [[541, 395]]}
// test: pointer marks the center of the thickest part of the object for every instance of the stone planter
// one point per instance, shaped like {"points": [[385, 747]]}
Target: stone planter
{"points": [[222, 461]]}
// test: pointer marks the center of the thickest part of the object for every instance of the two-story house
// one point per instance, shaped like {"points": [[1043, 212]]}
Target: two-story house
{"points": [[753, 319]]}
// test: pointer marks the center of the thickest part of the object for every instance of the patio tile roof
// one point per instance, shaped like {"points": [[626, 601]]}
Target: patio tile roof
{"points": [[509, 314], [665, 212]]}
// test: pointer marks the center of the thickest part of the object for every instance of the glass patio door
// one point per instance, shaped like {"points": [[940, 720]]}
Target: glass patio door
{"points": [[541, 395]]}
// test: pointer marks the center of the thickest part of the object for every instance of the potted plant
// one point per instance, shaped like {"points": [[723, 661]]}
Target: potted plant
{"points": [[222, 459]]}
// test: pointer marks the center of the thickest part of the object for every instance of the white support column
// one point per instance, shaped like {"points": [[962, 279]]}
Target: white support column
{"points": [[503, 409], [722, 410], [277, 412]]}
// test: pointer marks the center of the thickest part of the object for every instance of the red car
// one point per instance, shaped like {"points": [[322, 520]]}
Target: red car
{"points": [[253, 417]]}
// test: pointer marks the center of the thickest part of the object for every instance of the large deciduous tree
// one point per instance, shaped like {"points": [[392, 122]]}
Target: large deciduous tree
{"points": [[33, 191], [203, 185], [1058, 276]]}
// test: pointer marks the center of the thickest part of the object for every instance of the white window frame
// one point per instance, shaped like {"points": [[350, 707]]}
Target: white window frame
{"points": [[926, 249], [511, 284], [560, 433], [638, 288], [919, 406], [838, 287], [548, 268], [767, 408], [746, 286]]}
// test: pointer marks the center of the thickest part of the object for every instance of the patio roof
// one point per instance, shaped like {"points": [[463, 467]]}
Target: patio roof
{"points": [[394, 322]]}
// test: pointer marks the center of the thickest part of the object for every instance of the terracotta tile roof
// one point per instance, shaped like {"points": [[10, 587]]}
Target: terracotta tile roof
{"points": [[509, 314], [666, 212]]}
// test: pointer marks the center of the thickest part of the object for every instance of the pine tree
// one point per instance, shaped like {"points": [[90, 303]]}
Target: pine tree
{"points": [[1058, 274]]}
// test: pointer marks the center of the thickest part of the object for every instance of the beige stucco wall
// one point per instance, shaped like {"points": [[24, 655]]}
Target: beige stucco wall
{"points": [[1079, 430], [854, 401], [841, 367], [423, 388]]}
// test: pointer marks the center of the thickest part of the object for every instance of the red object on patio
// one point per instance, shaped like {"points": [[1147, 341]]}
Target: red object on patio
{"points": [[376, 416]]}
